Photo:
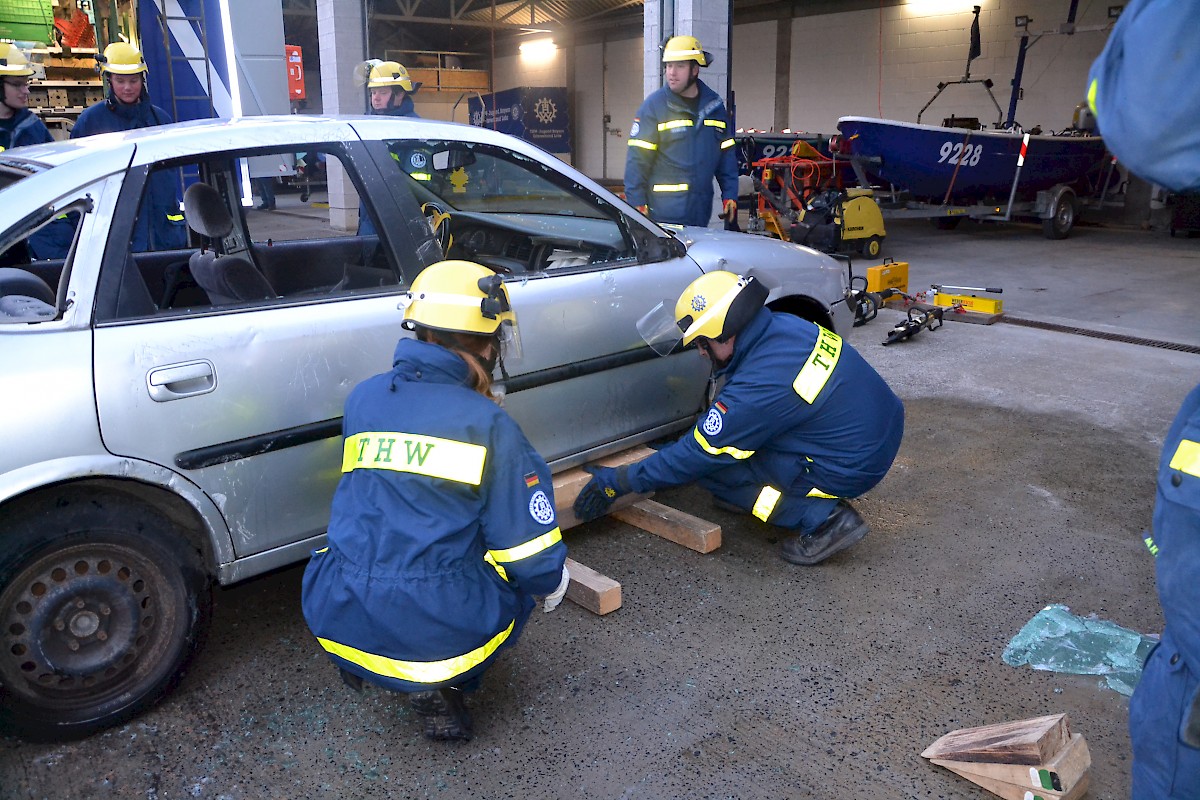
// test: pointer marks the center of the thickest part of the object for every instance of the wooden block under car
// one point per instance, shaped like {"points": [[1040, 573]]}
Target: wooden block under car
{"points": [[1011, 791], [568, 485]]}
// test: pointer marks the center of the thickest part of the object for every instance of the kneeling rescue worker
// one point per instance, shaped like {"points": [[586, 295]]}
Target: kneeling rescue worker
{"points": [[443, 529], [801, 423]]}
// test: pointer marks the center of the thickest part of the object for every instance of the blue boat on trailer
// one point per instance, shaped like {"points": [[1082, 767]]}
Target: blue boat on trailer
{"points": [[961, 166]]}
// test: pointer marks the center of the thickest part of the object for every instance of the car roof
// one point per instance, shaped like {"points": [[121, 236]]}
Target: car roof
{"points": [[199, 136]]}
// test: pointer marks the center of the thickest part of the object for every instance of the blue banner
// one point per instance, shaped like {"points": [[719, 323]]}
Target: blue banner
{"points": [[537, 114]]}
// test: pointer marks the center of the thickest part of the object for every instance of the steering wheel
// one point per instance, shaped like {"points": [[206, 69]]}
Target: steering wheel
{"points": [[439, 222]]}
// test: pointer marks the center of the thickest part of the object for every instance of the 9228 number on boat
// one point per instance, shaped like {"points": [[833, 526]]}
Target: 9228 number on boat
{"points": [[957, 154]]}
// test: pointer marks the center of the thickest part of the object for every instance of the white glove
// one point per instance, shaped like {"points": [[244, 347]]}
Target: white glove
{"points": [[552, 600]]}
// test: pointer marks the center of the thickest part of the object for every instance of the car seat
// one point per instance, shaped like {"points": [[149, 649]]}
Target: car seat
{"points": [[225, 278], [25, 296]]}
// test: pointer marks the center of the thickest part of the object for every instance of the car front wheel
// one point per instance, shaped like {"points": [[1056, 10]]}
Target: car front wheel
{"points": [[102, 605]]}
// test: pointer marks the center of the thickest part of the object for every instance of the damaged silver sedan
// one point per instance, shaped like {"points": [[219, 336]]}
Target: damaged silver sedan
{"points": [[172, 403]]}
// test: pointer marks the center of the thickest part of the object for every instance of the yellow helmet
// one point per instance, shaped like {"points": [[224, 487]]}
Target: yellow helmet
{"points": [[121, 58], [13, 62], [685, 48], [458, 296], [717, 305], [385, 74]]}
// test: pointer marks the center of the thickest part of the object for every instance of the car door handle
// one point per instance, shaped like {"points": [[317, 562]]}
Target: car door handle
{"points": [[181, 380]]}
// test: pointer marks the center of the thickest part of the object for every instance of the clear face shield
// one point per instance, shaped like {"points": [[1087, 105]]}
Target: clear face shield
{"points": [[659, 329]]}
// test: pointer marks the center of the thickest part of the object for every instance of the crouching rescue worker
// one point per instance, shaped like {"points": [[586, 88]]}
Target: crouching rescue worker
{"points": [[443, 534], [802, 422]]}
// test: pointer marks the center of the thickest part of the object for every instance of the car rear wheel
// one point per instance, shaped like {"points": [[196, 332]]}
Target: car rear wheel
{"points": [[102, 605]]}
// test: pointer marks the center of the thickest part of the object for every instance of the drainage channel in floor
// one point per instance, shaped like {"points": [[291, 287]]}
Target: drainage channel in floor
{"points": [[1112, 337]]}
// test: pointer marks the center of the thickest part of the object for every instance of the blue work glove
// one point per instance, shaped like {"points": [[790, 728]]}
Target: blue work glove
{"points": [[606, 485]]}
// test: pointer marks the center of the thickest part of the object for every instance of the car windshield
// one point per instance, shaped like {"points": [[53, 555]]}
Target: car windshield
{"points": [[480, 178]]}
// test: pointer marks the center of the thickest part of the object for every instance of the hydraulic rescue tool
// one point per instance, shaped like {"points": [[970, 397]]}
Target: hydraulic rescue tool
{"points": [[919, 317]]}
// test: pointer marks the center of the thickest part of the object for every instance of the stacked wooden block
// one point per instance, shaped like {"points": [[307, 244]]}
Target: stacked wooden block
{"points": [[1033, 759]]}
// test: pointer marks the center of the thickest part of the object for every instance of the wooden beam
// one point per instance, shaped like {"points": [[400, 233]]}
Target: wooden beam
{"points": [[590, 589], [1028, 741], [671, 524], [1061, 774], [568, 485]]}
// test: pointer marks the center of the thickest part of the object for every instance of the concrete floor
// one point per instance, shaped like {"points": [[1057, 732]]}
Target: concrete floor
{"points": [[1025, 478]]}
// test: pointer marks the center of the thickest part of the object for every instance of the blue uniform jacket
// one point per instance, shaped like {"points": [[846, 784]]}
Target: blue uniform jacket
{"points": [[1176, 535], [28, 129], [442, 531], [840, 437], [161, 227], [674, 152]]}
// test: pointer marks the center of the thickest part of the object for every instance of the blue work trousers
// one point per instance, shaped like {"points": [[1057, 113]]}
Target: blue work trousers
{"points": [[1164, 768]]}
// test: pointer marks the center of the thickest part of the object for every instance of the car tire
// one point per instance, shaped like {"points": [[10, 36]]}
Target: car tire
{"points": [[102, 606]]}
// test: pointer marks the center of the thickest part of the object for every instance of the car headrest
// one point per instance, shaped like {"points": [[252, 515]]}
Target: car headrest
{"points": [[205, 211], [15, 281]]}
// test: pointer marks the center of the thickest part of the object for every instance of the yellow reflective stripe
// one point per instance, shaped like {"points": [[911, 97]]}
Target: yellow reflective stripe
{"points": [[714, 123], [1091, 95], [675, 123], [819, 366], [669, 187], [418, 671], [499, 569], [727, 143], [532, 547], [716, 451], [421, 455], [643, 144], [815, 492], [1187, 457], [766, 501], [322, 550], [172, 217], [421, 176]]}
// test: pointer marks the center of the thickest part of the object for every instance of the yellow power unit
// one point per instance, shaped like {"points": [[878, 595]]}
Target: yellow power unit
{"points": [[888, 275], [970, 302]]}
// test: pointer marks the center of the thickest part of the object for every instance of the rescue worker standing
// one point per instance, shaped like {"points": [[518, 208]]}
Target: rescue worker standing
{"points": [[801, 423], [1143, 92], [680, 138], [18, 125], [391, 89], [127, 107], [443, 529]]}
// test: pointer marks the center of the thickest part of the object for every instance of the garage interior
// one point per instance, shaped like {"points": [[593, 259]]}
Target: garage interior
{"points": [[1026, 476]]}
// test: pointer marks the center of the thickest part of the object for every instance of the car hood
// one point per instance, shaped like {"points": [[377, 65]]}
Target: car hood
{"points": [[788, 268]]}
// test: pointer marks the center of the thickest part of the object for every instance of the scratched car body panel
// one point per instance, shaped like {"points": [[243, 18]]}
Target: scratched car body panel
{"points": [[130, 370]]}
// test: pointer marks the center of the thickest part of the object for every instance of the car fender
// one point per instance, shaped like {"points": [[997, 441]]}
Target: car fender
{"points": [[56, 472], [791, 270]]}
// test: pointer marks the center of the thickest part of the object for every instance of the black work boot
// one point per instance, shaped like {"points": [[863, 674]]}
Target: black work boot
{"points": [[840, 530], [444, 714], [351, 680]]}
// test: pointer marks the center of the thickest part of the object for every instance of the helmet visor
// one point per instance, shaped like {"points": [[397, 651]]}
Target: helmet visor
{"points": [[659, 329]]}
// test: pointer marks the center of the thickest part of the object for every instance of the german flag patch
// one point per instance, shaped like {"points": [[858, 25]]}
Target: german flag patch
{"points": [[724, 409], [531, 480]]}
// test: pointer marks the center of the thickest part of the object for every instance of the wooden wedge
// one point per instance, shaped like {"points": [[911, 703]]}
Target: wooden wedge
{"points": [[1058, 775], [1029, 741], [1011, 791], [568, 485]]}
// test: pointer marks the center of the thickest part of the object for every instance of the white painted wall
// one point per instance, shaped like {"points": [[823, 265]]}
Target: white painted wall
{"points": [[754, 48], [884, 62], [837, 69]]}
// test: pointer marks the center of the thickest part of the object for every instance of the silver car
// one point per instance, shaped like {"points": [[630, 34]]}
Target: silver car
{"points": [[173, 395]]}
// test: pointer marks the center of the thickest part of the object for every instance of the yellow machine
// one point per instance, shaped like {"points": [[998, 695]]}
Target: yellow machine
{"points": [[841, 219]]}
